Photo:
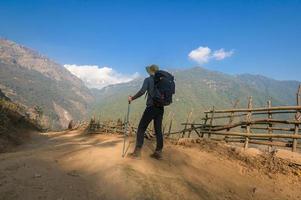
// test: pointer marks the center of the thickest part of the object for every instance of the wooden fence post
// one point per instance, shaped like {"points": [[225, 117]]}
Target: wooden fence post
{"points": [[232, 113], [185, 127], [248, 119], [270, 130], [297, 118], [231, 117], [195, 130], [205, 124], [165, 122], [211, 121], [189, 121], [191, 127], [170, 125]]}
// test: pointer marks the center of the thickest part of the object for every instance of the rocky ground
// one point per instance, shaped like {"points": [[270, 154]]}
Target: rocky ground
{"points": [[74, 165]]}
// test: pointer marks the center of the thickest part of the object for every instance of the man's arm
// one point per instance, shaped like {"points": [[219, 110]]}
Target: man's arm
{"points": [[141, 91]]}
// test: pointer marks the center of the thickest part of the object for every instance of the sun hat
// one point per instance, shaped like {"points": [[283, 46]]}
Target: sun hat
{"points": [[151, 69]]}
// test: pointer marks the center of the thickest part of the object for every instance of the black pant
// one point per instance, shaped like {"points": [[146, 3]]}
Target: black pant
{"points": [[151, 113]]}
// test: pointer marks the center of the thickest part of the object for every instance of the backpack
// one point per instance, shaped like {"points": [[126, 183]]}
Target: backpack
{"points": [[164, 88]]}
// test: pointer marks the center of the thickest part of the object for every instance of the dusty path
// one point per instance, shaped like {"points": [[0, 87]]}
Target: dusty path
{"points": [[71, 166]]}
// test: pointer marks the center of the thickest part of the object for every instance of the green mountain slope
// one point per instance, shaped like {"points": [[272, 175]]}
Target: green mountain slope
{"points": [[31, 79], [197, 89], [284, 91]]}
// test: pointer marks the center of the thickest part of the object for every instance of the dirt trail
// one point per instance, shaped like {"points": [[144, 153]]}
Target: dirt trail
{"points": [[71, 165]]}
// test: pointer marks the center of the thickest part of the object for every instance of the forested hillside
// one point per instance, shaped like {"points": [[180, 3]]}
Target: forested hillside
{"points": [[198, 89]]}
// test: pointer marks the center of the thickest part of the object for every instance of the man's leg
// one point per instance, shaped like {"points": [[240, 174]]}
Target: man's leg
{"points": [[143, 124], [158, 127]]}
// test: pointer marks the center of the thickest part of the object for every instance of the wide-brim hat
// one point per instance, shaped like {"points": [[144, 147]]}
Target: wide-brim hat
{"points": [[151, 69]]}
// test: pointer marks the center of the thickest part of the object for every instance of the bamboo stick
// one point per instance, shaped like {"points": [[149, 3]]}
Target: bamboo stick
{"points": [[270, 125], [170, 124], [258, 121], [269, 143], [270, 128], [295, 141], [255, 135], [195, 130], [187, 121], [248, 118], [297, 118], [203, 125], [256, 113], [211, 121], [189, 132], [278, 143], [205, 122], [231, 118], [165, 122], [251, 138], [257, 109], [224, 116]]}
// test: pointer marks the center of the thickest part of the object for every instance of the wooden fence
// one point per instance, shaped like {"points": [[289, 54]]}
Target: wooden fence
{"points": [[272, 126], [97, 126]]}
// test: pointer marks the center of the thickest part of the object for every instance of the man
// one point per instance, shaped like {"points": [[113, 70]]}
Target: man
{"points": [[151, 112]]}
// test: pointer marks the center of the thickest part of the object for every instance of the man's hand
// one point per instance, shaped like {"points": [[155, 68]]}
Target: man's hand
{"points": [[130, 99]]}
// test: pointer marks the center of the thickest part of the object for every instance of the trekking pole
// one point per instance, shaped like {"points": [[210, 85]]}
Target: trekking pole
{"points": [[126, 130]]}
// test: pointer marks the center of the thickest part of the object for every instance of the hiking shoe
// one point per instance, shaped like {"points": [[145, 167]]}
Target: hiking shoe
{"points": [[136, 154], [156, 155]]}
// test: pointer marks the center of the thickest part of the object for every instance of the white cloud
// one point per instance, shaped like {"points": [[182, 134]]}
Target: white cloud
{"points": [[222, 54], [200, 55], [99, 77], [203, 55]]}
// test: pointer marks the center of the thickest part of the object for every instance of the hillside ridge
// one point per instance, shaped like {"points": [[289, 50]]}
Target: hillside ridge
{"points": [[32, 79], [197, 89]]}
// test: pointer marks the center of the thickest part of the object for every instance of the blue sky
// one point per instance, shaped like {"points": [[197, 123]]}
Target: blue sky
{"points": [[260, 37]]}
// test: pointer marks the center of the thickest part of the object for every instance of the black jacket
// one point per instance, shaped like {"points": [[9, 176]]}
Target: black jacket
{"points": [[148, 86]]}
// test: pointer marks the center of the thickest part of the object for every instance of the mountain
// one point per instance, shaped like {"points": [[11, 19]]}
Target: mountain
{"points": [[46, 88], [31, 79], [197, 89], [284, 91]]}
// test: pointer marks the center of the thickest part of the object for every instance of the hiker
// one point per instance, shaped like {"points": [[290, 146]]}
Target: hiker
{"points": [[160, 88]]}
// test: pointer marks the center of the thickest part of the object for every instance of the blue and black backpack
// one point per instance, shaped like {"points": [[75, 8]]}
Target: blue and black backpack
{"points": [[164, 88]]}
